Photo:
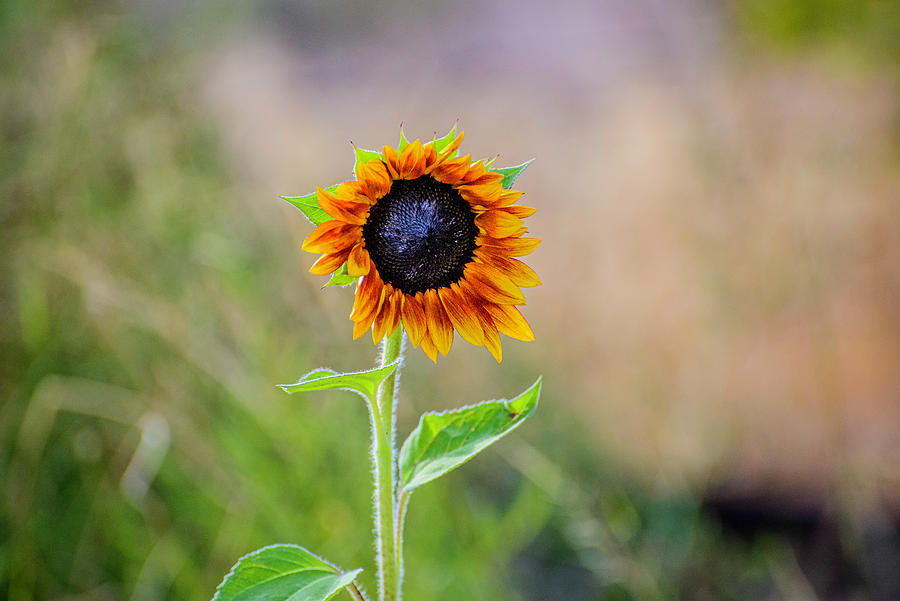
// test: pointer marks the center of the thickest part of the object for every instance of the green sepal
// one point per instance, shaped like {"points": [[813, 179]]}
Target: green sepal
{"points": [[511, 173], [444, 441], [403, 141], [283, 573], [365, 383], [309, 205], [364, 156], [444, 141], [341, 278]]}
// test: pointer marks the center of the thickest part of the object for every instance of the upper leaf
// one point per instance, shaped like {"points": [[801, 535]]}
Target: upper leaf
{"points": [[309, 204], [283, 573], [511, 173], [444, 441], [365, 383]]}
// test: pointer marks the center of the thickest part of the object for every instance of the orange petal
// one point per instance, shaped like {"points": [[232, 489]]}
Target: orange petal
{"points": [[358, 263], [440, 328], [413, 318], [329, 263], [509, 321], [450, 148], [462, 315], [492, 285], [374, 175], [452, 171], [499, 224], [412, 161], [337, 207], [520, 273], [360, 327], [429, 347], [475, 171], [430, 155], [488, 178], [353, 194], [331, 236], [368, 297], [391, 161], [485, 194], [520, 211], [508, 197], [387, 319], [513, 247], [492, 343]]}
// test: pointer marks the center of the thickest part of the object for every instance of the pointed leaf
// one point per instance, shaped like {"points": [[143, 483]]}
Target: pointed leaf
{"points": [[283, 573], [511, 173], [365, 383], [309, 204], [341, 278], [444, 441], [442, 142], [364, 156]]}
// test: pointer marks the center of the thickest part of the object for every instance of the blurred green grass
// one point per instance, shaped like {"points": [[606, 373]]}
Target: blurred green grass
{"points": [[147, 316]]}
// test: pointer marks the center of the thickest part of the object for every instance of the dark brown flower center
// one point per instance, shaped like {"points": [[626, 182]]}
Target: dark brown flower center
{"points": [[421, 235]]}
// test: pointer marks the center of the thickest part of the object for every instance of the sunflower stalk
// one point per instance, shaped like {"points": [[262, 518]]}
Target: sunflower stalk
{"points": [[384, 468]]}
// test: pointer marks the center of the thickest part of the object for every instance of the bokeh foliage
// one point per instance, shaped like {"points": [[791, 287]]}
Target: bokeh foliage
{"points": [[148, 311]]}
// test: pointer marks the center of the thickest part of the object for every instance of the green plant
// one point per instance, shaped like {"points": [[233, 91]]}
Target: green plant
{"points": [[429, 239]]}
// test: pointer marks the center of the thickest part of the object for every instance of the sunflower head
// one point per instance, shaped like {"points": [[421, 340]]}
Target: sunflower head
{"points": [[430, 240]]}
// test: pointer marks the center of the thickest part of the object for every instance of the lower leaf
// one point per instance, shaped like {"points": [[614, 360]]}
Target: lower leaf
{"points": [[282, 573]]}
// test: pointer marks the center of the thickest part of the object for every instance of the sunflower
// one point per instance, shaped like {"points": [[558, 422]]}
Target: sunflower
{"points": [[430, 239]]}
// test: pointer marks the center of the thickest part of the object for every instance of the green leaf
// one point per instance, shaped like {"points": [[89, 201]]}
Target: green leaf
{"points": [[511, 173], [341, 277], [443, 142], [364, 156], [309, 204], [403, 141], [283, 573], [365, 383], [444, 441]]}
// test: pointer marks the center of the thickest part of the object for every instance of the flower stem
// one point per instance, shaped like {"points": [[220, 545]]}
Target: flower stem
{"points": [[385, 463]]}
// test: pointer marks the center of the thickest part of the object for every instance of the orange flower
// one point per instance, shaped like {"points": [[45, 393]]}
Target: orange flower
{"points": [[431, 238]]}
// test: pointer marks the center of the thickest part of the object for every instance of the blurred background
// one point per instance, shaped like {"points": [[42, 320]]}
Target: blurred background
{"points": [[718, 186]]}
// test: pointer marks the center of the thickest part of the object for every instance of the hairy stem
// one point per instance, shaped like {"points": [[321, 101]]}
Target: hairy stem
{"points": [[385, 460]]}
